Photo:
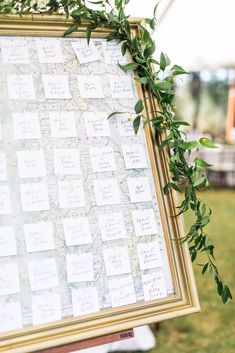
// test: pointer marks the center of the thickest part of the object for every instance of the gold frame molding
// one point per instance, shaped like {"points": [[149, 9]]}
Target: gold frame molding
{"points": [[183, 302]]}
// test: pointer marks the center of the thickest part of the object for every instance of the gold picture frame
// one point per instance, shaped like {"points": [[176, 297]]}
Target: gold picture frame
{"points": [[184, 300]]}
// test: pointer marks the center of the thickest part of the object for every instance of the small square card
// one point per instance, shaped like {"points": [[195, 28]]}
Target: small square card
{"points": [[134, 156], [139, 189], [85, 301], [43, 274], [56, 86], [102, 159], [9, 278], [26, 126], [7, 241], [107, 192], [97, 124], [31, 164], [125, 125], [117, 261], [121, 291], [20, 87], [62, 124], [67, 161], [5, 200], [39, 236], [90, 86], [3, 167], [154, 286], [49, 51], [71, 194], [144, 222], [112, 226], [121, 87], [46, 308], [77, 231], [84, 52], [15, 51], [79, 267], [149, 255], [10, 316], [34, 197], [113, 53]]}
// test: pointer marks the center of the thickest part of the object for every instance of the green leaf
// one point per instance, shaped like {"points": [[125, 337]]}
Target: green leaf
{"points": [[170, 185], [189, 145], [139, 106], [162, 61], [178, 70], [124, 48], [199, 181], [226, 294], [136, 124], [149, 51], [205, 267], [204, 141], [142, 80], [129, 67], [70, 30], [114, 113], [201, 163], [163, 86], [88, 33]]}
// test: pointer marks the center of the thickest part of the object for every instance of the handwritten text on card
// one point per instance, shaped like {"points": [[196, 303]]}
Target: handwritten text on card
{"points": [[80, 267], [71, 194], [107, 192], [39, 236], [144, 222], [34, 197], [7, 241], [112, 226], [122, 291], [116, 261], [43, 274], [77, 231], [85, 301]]}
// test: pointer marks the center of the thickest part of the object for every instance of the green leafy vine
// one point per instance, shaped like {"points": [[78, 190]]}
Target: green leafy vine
{"points": [[159, 82]]}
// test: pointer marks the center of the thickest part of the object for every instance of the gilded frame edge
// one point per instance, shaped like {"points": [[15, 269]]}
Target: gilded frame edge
{"points": [[185, 301]]}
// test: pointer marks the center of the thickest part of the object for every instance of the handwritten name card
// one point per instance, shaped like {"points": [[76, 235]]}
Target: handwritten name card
{"points": [[139, 189], [102, 159], [20, 87], [117, 261], [121, 87], [62, 124], [85, 301], [49, 51], [67, 161], [134, 156], [154, 286], [107, 192], [9, 278], [56, 86], [122, 291], [97, 124], [90, 86], [84, 52], [149, 255], [112, 226], [34, 197], [77, 231], [7, 241], [43, 274], [113, 54], [3, 167], [46, 308], [39, 236], [144, 222], [5, 200], [125, 125], [31, 164], [10, 316], [80, 267], [71, 194], [14, 51], [26, 126]]}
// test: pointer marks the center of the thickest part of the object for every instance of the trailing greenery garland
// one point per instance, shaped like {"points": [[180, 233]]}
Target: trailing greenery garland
{"points": [[160, 84]]}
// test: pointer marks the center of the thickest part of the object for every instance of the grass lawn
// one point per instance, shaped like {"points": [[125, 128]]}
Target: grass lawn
{"points": [[212, 330]]}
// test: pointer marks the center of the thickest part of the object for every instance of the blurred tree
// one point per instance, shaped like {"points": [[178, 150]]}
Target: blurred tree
{"points": [[195, 88]]}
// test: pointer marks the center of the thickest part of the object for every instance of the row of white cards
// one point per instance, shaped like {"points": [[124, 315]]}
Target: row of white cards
{"points": [[58, 86], [35, 196], [15, 51], [84, 300], [40, 236]]}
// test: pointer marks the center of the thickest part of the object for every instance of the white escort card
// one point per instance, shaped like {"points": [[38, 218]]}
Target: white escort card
{"points": [[39, 236], [15, 51], [9, 278], [77, 231], [5, 200], [149, 255], [56, 86], [144, 222], [112, 226], [20, 87], [34, 197], [154, 286], [113, 54], [7, 241], [90, 86], [79, 267], [121, 291], [85, 301], [139, 189], [46, 308], [125, 125], [3, 167], [121, 87], [102, 159], [31, 164], [67, 161], [26, 126], [117, 261], [134, 156], [43, 274], [10, 316], [49, 51], [97, 124], [85, 52], [107, 192], [71, 194], [62, 124]]}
